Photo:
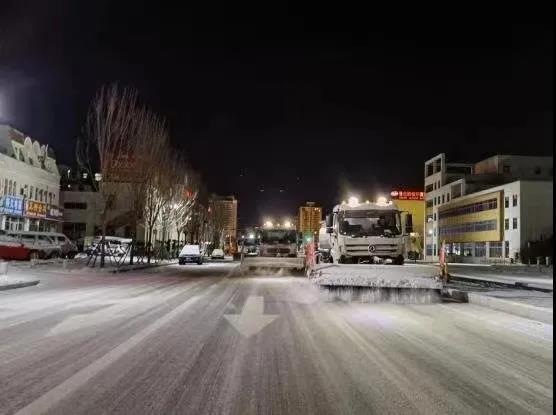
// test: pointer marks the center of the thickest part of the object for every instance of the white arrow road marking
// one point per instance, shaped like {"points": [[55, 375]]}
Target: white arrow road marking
{"points": [[251, 320], [80, 321]]}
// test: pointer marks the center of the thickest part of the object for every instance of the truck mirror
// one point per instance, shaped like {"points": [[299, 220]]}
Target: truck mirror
{"points": [[329, 221], [329, 230]]}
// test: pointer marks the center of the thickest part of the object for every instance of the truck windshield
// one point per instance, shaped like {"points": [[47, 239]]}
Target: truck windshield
{"points": [[362, 223], [278, 236], [250, 242]]}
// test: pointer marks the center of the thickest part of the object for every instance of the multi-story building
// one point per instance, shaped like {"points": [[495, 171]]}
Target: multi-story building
{"points": [[309, 219], [83, 207], [29, 183], [487, 211]]}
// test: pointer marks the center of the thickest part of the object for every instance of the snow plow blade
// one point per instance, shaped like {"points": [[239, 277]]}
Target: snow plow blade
{"points": [[378, 283], [273, 263]]}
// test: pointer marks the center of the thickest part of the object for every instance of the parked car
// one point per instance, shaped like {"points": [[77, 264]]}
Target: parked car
{"points": [[11, 248], [42, 245], [190, 254], [217, 253], [69, 248]]}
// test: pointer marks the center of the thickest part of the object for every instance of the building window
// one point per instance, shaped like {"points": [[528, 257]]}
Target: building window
{"points": [[506, 224], [434, 231], [506, 169], [429, 188], [480, 249], [507, 202], [434, 250], [434, 216], [514, 200], [468, 249], [75, 205], [507, 249], [471, 208], [13, 223], [429, 203], [481, 226], [429, 250], [442, 198], [447, 197], [514, 223], [495, 249]]}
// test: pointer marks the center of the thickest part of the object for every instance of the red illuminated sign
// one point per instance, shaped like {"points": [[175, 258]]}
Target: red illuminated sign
{"points": [[407, 195]]}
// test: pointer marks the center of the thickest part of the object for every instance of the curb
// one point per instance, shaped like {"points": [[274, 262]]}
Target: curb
{"points": [[117, 271], [18, 285], [515, 285], [544, 315]]}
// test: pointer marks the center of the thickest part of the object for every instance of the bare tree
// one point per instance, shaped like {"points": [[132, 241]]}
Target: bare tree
{"points": [[150, 146], [217, 223], [159, 186], [184, 201], [106, 150]]}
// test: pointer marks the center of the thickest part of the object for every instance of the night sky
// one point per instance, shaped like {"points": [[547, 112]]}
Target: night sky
{"points": [[307, 103]]}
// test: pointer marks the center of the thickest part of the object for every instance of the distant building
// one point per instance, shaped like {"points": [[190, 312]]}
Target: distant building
{"points": [[487, 211], [29, 183], [309, 219]]}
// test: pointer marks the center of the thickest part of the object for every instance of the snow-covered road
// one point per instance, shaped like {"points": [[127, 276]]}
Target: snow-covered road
{"points": [[195, 339]]}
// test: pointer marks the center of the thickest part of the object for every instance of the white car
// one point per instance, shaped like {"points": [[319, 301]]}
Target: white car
{"points": [[190, 254], [217, 254]]}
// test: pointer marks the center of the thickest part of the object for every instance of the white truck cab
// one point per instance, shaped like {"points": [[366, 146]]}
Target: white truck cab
{"points": [[366, 232]]}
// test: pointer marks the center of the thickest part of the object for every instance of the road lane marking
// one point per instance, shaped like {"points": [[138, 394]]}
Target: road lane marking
{"points": [[70, 385], [251, 320]]}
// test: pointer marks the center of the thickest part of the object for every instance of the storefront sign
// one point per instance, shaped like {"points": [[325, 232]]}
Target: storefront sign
{"points": [[11, 205], [407, 195], [53, 212], [35, 209]]}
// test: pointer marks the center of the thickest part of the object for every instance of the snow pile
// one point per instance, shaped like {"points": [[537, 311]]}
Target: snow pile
{"points": [[376, 276], [378, 295]]}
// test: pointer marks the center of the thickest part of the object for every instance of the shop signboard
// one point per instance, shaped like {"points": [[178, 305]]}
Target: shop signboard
{"points": [[53, 212], [35, 209], [407, 195], [11, 205]]}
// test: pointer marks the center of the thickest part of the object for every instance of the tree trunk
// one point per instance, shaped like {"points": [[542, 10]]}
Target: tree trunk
{"points": [[102, 244], [133, 237]]}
